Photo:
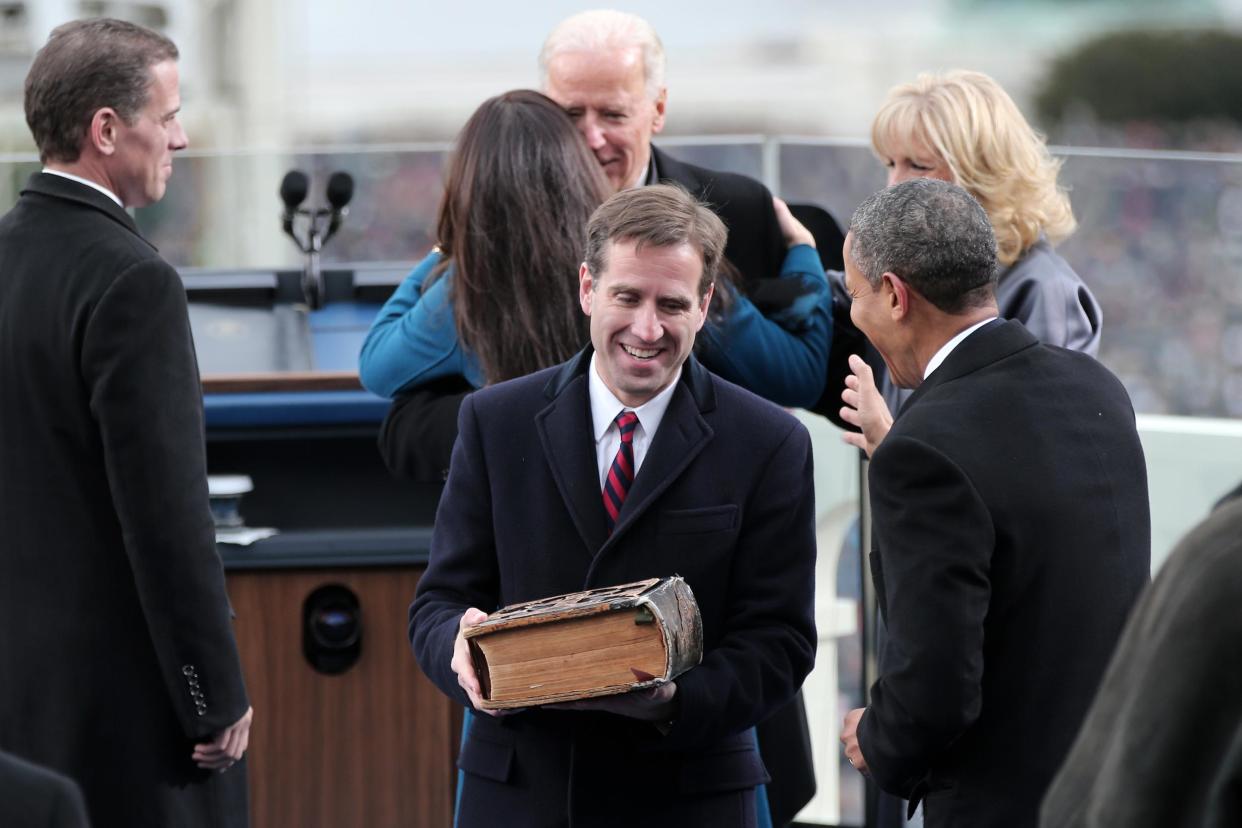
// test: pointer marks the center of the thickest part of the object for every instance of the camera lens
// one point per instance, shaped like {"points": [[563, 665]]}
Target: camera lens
{"points": [[335, 626], [332, 628]]}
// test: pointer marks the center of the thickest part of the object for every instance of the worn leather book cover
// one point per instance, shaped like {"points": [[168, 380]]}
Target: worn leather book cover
{"points": [[594, 643]]}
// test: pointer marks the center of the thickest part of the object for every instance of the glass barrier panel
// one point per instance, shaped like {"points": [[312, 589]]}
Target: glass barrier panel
{"points": [[1159, 242]]}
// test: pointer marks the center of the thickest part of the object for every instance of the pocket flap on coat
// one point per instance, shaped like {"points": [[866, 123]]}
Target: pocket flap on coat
{"points": [[728, 769], [708, 519], [485, 756]]}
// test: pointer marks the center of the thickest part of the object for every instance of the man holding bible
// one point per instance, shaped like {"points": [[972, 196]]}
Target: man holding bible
{"points": [[630, 461]]}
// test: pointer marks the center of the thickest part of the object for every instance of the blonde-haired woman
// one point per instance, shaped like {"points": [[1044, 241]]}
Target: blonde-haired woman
{"points": [[962, 127]]}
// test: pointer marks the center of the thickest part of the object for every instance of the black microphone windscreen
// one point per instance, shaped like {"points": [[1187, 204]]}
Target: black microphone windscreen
{"points": [[293, 188], [340, 189]]}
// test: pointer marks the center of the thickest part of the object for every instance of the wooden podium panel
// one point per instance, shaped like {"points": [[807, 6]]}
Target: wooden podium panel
{"points": [[373, 746]]}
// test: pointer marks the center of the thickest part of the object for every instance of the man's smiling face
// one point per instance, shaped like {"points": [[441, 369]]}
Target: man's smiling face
{"points": [[645, 310]]}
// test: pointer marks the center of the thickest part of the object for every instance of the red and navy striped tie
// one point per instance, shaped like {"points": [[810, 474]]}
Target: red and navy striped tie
{"points": [[621, 475]]}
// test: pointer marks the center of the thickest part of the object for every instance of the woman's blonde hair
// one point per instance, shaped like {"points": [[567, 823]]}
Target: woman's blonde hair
{"points": [[975, 127]]}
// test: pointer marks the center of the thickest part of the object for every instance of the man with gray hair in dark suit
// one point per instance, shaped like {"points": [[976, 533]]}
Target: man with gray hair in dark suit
{"points": [[1011, 527]]}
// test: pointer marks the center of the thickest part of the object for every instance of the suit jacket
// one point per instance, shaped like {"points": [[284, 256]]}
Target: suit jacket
{"points": [[35, 797], [1162, 744], [724, 498], [119, 653], [1011, 539], [755, 246]]}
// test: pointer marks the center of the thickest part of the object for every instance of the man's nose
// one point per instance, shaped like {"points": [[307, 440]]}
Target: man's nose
{"points": [[592, 132], [646, 324], [896, 175], [177, 139]]}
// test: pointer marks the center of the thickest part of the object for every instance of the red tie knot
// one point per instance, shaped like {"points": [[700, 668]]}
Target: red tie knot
{"points": [[627, 421]]}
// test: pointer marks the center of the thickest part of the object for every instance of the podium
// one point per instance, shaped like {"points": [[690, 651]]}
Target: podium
{"points": [[373, 745], [356, 737]]}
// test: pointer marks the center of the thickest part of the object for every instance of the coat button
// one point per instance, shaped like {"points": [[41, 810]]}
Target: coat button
{"points": [[188, 670]]}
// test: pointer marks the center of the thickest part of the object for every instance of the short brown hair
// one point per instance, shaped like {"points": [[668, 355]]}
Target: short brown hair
{"points": [[87, 65], [662, 215]]}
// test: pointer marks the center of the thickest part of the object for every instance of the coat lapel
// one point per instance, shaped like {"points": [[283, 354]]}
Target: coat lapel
{"points": [[682, 435], [564, 428], [565, 433]]}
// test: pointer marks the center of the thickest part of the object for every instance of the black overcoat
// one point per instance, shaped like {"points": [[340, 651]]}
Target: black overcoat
{"points": [[418, 433], [724, 498], [1011, 536], [117, 653]]}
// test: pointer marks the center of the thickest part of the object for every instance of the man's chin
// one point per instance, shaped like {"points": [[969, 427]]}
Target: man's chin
{"points": [[615, 173], [636, 395]]}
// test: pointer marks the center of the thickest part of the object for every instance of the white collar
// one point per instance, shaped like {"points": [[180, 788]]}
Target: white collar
{"points": [[92, 184], [947, 348], [650, 175], [605, 406]]}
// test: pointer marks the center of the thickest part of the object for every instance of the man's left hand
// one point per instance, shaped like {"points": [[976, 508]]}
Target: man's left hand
{"points": [[864, 407], [651, 704], [849, 738], [226, 747]]}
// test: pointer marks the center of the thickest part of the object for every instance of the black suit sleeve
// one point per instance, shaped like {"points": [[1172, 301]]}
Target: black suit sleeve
{"points": [[755, 245], [934, 539], [139, 365], [416, 438], [759, 240]]}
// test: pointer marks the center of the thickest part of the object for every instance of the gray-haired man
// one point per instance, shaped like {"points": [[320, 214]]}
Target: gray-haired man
{"points": [[1010, 519]]}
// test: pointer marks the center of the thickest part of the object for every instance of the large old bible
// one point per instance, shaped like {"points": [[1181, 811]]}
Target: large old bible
{"points": [[584, 644]]}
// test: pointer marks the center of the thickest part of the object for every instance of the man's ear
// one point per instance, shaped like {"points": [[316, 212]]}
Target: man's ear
{"points": [[896, 295], [661, 99], [586, 288], [102, 133]]}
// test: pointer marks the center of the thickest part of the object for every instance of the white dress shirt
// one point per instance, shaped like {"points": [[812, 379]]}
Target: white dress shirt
{"points": [[604, 410], [947, 348], [87, 182]]}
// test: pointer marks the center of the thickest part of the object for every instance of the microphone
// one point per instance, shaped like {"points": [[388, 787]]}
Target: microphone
{"points": [[293, 189], [340, 191]]}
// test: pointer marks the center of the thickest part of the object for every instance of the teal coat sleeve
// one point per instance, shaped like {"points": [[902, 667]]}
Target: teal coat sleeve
{"points": [[414, 340], [783, 356]]}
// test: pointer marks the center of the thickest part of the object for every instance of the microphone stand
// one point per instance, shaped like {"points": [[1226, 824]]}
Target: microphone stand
{"points": [[312, 273]]}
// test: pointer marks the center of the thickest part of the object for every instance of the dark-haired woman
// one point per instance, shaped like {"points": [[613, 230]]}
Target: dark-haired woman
{"points": [[498, 297]]}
